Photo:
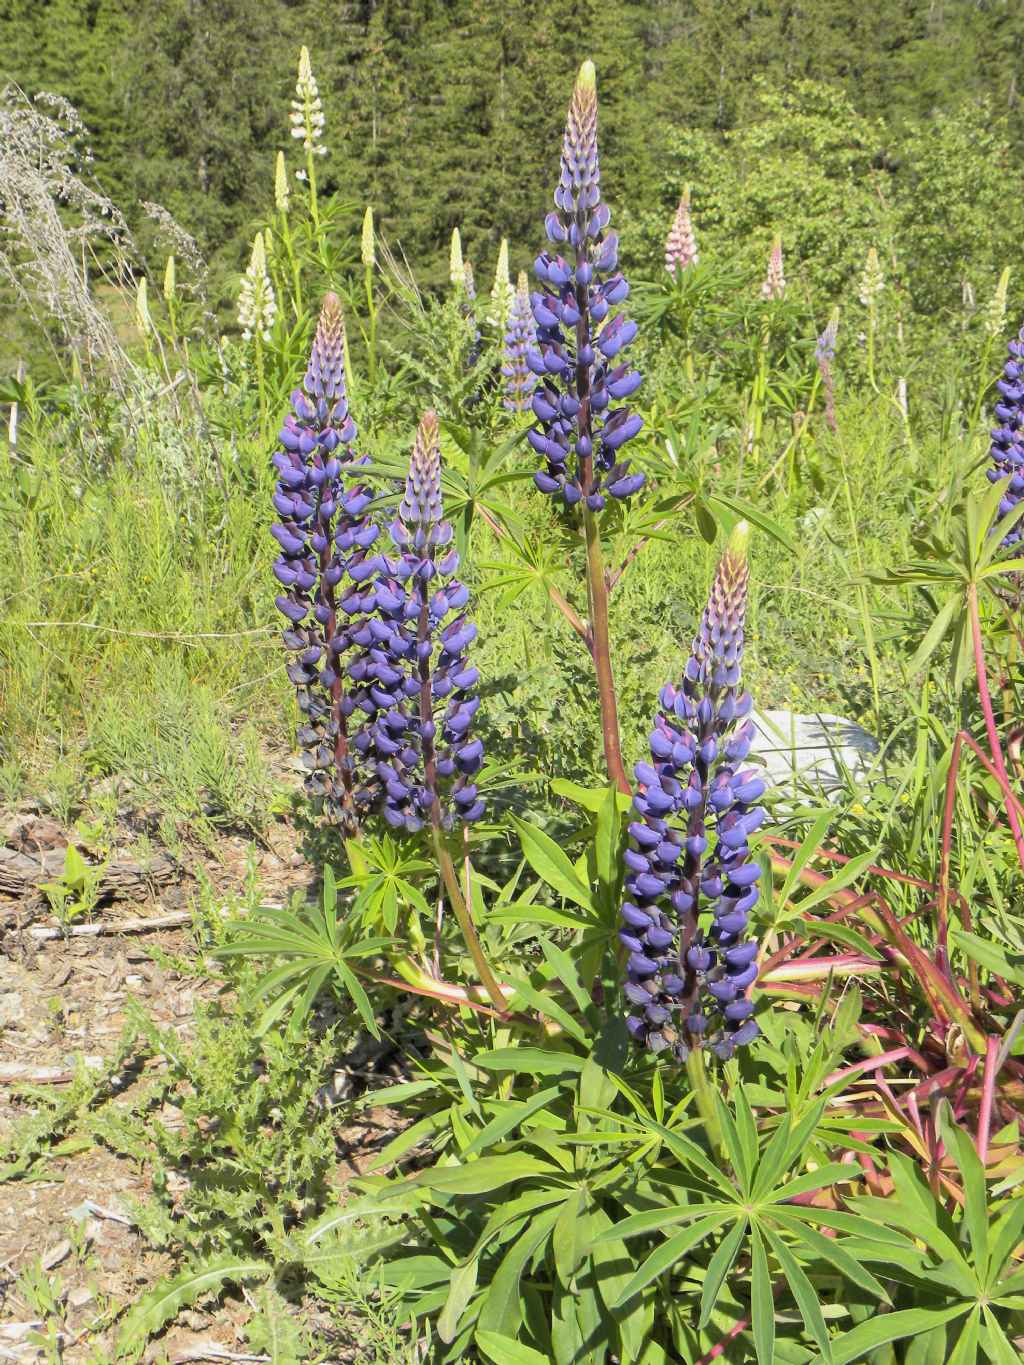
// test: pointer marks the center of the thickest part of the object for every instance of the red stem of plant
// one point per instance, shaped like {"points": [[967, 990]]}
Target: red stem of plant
{"points": [[988, 1087], [990, 720]]}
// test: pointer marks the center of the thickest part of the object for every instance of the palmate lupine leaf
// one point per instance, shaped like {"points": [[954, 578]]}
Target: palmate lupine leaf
{"points": [[968, 1258], [744, 1204]]}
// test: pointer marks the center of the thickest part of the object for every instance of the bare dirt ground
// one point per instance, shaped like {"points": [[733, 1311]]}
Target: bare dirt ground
{"points": [[70, 1254]]}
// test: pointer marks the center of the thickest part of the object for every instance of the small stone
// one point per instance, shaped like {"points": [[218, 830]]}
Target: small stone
{"points": [[80, 1296], [11, 1009], [811, 752], [55, 1255]]}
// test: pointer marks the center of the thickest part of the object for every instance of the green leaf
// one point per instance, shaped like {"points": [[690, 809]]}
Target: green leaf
{"points": [[359, 996], [935, 634], [161, 1304], [966, 1350], [748, 511], [848, 873], [461, 1290], [762, 1303], [502, 1309], [665, 1257], [529, 1061], [976, 1215], [552, 866], [510, 1118], [992, 956], [719, 1266], [505, 1350], [481, 1176], [830, 1249], [994, 1342], [877, 1331], [570, 1240], [804, 1294]]}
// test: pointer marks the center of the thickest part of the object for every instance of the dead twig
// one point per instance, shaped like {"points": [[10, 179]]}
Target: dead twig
{"points": [[45, 934]]}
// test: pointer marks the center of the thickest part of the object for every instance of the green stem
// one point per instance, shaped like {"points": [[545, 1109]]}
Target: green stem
{"points": [[600, 650], [286, 237], [871, 345], [371, 346], [862, 595], [259, 380], [458, 904], [704, 1096]]}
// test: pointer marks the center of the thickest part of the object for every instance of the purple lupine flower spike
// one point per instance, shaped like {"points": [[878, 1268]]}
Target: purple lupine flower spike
{"points": [[520, 335], [1007, 449], [420, 738], [324, 535], [577, 357], [692, 881]]}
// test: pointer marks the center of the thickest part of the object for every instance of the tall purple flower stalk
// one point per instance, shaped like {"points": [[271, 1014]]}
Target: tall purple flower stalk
{"points": [[579, 432], [520, 336], [419, 741], [1007, 449], [325, 535], [692, 880]]}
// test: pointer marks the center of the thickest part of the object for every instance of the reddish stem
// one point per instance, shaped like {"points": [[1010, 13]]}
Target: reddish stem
{"points": [[988, 1087]]}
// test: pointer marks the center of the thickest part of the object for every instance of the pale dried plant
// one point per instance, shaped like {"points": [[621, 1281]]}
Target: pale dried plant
{"points": [[59, 236]]}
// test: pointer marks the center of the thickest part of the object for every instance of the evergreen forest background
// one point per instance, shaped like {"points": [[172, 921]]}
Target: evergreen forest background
{"points": [[822, 114]]}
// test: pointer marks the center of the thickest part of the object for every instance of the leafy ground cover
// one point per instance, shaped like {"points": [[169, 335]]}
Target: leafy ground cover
{"points": [[376, 1097]]}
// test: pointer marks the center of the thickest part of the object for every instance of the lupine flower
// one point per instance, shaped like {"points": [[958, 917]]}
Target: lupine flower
{"points": [[170, 280], [456, 267], [520, 335], [257, 305], [824, 354], [681, 243], [469, 281], [872, 282], [1007, 449], [774, 286], [143, 318], [692, 881], [995, 314], [325, 536], [423, 688], [502, 291], [368, 242], [281, 191], [579, 433], [307, 115]]}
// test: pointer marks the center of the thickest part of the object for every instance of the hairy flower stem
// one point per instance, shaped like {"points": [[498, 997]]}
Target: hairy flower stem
{"points": [[444, 859], [600, 651], [597, 587], [697, 1071], [462, 915], [990, 719]]}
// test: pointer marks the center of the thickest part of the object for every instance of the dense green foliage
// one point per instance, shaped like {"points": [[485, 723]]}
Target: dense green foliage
{"points": [[446, 113]]}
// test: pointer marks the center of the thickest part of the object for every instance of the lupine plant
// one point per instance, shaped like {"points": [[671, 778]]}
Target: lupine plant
{"points": [[1007, 448], [681, 243], [520, 337], [579, 431], [325, 537], [691, 885]]}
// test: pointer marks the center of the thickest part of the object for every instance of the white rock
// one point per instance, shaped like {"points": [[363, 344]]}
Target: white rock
{"points": [[812, 754]]}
